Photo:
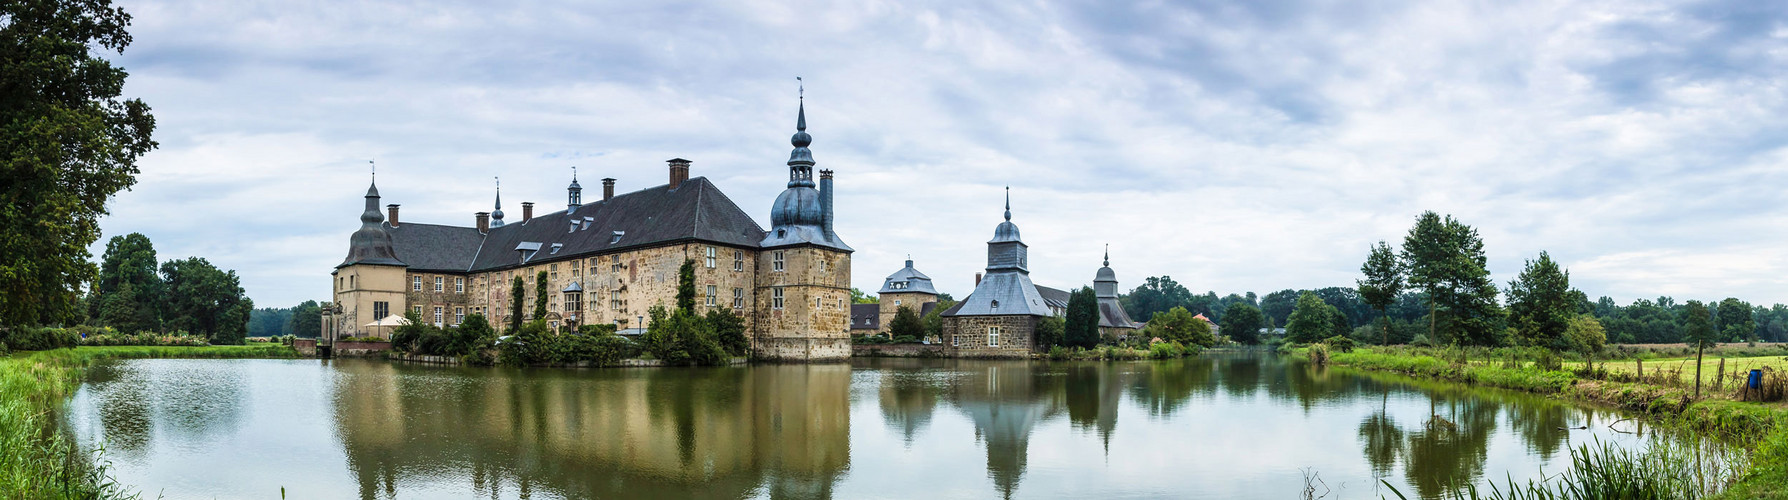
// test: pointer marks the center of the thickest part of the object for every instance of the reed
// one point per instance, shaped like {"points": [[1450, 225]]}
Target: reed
{"points": [[1602, 471]]}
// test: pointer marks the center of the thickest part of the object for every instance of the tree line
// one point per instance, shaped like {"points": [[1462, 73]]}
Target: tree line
{"points": [[133, 294]]}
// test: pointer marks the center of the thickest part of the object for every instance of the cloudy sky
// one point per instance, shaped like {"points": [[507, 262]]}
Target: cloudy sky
{"points": [[1238, 146]]}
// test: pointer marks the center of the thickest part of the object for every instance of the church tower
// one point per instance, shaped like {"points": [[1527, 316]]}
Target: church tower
{"points": [[802, 296]]}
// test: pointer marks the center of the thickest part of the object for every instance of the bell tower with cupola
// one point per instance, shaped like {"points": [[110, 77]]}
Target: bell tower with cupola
{"points": [[804, 270]]}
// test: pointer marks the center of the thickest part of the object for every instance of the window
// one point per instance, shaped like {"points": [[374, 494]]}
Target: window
{"points": [[416, 283], [822, 265], [459, 285], [709, 257], [776, 261], [418, 310], [437, 315], [438, 281], [555, 272], [738, 298], [776, 297], [459, 315], [713, 298], [738, 260], [993, 336], [816, 303], [350, 281], [381, 310], [341, 283], [896, 302], [616, 266]]}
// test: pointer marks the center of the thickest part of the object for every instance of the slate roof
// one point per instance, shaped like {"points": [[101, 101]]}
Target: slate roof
{"points": [[916, 282], [695, 211], [433, 247], [1053, 297], [866, 316], [1003, 294]]}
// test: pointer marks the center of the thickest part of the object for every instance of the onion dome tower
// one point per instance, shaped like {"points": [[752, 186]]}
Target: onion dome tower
{"points": [[371, 244], [803, 214], [1105, 287]]}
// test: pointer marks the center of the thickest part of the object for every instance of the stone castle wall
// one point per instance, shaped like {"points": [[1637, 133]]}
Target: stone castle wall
{"points": [[813, 321], [890, 303], [967, 336]]}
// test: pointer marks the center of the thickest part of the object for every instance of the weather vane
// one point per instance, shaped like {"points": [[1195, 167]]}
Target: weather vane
{"points": [[800, 88], [374, 167], [574, 173]]}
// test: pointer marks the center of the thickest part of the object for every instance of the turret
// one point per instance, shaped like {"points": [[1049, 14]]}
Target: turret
{"points": [[496, 216], [371, 244], [574, 194]]}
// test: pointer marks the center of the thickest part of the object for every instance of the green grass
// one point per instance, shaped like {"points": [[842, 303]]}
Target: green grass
{"points": [[1684, 368], [1603, 471], [36, 460], [1761, 428]]}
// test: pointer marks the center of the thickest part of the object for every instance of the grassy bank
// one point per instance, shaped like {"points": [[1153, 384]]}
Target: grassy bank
{"points": [[36, 459], [1759, 427]]}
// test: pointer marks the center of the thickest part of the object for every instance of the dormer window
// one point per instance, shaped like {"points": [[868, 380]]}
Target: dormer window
{"points": [[587, 221], [616, 238], [556, 247], [996, 304]]}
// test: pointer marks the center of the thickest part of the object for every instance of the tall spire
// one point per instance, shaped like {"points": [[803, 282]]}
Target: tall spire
{"points": [[496, 216], [800, 161], [1008, 203]]}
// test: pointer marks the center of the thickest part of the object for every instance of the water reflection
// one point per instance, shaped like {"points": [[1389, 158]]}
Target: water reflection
{"points": [[1223, 425], [698, 433]]}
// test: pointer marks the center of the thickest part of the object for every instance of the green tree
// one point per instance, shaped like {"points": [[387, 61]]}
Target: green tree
{"points": [[686, 286], [729, 331], [1541, 304], [1050, 332], [1310, 322], [517, 297], [1698, 330], [1242, 322], [1156, 294], [906, 323], [1082, 327], [1587, 337], [203, 300], [129, 261], [1736, 322], [858, 297], [1445, 258], [1382, 284], [1180, 325], [934, 320], [470, 336], [67, 144], [539, 296], [307, 319]]}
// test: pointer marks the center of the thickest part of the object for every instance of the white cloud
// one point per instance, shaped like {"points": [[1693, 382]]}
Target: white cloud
{"points": [[1237, 147]]}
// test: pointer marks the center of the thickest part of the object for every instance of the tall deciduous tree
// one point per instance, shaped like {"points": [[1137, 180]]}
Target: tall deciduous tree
{"points": [[1698, 330], [1242, 322], [1156, 294], [1082, 328], [1446, 259], [204, 300], [1541, 304], [1382, 284], [1736, 322], [1310, 321], [67, 144], [129, 261], [1587, 336], [1180, 325]]}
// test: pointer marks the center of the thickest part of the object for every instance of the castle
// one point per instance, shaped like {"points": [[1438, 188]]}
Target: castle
{"points": [[609, 261]]}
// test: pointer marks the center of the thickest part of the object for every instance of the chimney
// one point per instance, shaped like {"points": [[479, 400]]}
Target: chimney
{"points": [[608, 188], [392, 211], [483, 222], [977, 279], [826, 202], [527, 211], [679, 171]]}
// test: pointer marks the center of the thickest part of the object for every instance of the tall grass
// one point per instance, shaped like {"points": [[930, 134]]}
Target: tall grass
{"points": [[36, 460], [1603, 471]]}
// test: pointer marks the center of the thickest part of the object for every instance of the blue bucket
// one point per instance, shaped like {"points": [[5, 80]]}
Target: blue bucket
{"points": [[1756, 379]]}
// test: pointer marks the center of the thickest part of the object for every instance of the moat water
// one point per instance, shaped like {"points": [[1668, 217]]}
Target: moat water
{"points": [[1227, 425]]}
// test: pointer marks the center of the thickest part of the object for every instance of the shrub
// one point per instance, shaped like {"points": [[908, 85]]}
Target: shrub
{"points": [[38, 339], [1547, 360], [1318, 354], [1339, 343], [729, 331], [1421, 340], [1059, 353], [110, 338], [905, 339]]}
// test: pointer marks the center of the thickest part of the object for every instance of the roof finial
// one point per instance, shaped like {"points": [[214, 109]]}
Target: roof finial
{"points": [[499, 192], [375, 169], [574, 174], [801, 94], [1008, 203], [1107, 255]]}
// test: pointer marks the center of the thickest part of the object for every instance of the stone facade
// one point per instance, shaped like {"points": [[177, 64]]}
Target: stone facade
{"points": [[364, 291], [811, 319], [969, 336], [892, 302]]}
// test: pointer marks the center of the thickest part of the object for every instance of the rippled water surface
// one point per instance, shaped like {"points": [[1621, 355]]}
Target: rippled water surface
{"points": [[1221, 426]]}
